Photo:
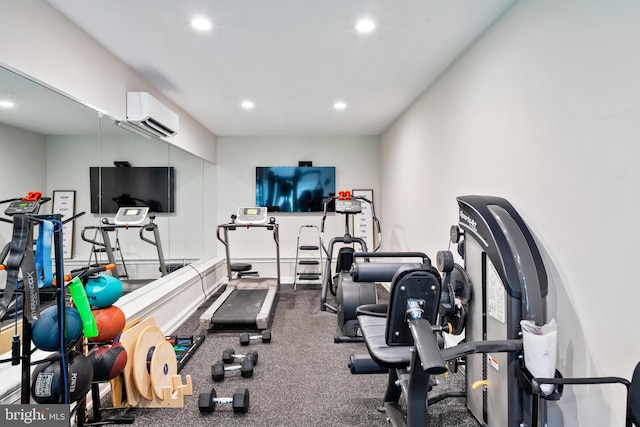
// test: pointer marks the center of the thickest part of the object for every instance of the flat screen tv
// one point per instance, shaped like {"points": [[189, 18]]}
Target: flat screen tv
{"points": [[115, 187], [294, 189]]}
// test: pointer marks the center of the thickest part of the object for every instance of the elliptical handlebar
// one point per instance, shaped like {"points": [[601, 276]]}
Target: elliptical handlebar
{"points": [[324, 217], [376, 221]]}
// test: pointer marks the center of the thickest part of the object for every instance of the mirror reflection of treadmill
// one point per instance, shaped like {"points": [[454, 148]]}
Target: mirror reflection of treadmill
{"points": [[247, 301]]}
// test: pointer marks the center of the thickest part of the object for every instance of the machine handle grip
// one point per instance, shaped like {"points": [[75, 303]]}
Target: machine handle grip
{"points": [[488, 346], [427, 347]]}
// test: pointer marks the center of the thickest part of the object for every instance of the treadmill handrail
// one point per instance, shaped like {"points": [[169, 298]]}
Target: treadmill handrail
{"points": [[232, 226], [223, 241]]}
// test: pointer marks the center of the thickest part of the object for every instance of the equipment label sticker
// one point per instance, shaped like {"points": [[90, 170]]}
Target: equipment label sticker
{"points": [[495, 294], [493, 362]]}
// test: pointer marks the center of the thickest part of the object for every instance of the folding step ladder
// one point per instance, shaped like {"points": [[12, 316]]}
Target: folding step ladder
{"points": [[308, 256]]}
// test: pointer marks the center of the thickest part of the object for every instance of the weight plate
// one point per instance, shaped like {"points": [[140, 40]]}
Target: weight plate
{"points": [[146, 343], [164, 366]]}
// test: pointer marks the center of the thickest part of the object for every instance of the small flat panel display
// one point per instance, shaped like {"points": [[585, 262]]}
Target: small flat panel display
{"points": [[22, 208], [348, 206], [256, 215], [131, 216], [294, 189]]}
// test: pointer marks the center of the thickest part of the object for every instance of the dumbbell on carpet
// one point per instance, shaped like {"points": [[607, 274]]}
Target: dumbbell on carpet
{"points": [[265, 336], [240, 401], [245, 367], [229, 356]]}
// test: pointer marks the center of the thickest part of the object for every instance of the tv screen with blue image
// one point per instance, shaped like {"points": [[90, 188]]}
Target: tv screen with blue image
{"points": [[294, 189]]}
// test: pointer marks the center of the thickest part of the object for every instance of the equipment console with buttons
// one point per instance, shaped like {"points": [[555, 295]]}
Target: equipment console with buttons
{"points": [[257, 215], [131, 215]]}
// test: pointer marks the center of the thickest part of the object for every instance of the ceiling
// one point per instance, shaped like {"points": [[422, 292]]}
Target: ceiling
{"points": [[293, 58]]}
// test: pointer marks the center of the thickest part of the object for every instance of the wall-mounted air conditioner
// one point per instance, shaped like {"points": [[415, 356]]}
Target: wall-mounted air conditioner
{"points": [[148, 114]]}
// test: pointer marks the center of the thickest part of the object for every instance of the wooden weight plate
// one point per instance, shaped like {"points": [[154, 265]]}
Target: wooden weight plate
{"points": [[164, 366], [130, 396], [143, 351]]}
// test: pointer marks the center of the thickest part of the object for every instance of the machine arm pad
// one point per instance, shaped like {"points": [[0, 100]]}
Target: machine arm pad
{"points": [[427, 347], [378, 271]]}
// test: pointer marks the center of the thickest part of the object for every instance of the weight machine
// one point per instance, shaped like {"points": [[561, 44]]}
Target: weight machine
{"points": [[503, 282]]}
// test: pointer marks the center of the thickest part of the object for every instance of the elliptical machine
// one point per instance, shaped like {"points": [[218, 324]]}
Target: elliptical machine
{"points": [[349, 294]]}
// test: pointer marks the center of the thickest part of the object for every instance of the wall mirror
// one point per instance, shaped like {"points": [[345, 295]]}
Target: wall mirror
{"points": [[50, 143]]}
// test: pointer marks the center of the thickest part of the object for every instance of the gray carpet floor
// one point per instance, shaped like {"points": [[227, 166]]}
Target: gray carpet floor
{"points": [[301, 378]]}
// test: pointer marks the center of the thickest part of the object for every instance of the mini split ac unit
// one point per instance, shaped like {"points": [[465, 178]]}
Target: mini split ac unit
{"points": [[146, 113]]}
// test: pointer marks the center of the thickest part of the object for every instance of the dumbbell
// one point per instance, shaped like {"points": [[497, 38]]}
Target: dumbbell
{"points": [[229, 356], [240, 401], [265, 336], [218, 369]]}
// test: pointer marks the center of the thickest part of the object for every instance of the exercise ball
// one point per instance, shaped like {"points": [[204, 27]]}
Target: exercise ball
{"points": [[110, 322], [103, 290], [47, 383], [108, 361], [45, 332]]}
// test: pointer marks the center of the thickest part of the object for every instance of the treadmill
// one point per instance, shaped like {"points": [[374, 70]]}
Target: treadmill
{"points": [[247, 301]]}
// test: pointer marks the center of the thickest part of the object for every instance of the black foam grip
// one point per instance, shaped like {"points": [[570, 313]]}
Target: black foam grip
{"points": [[427, 347], [364, 364], [376, 272]]}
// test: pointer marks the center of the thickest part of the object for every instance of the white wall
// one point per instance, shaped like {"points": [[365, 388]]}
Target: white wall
{"points": [[543, 110], [356, 160], [21, 150], [42, 43]]}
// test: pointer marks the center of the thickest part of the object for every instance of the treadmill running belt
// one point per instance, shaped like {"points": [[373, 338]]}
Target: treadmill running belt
{"points": [[241, 307]]}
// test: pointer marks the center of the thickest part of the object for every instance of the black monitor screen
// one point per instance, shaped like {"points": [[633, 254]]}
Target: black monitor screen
{"points": [[114, 187], [294, 189]]}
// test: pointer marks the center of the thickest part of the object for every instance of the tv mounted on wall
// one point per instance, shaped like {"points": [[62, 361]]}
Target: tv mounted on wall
{"points": [[294, 189], [115, 187]]}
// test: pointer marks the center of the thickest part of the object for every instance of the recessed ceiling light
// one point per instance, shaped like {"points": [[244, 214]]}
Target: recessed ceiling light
{"points": [[6, 104], [365, 26], [339, 105], [201, 24], [247, 105]]}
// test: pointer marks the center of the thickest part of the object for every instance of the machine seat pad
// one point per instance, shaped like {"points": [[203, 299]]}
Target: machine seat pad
{"points": [[374, 332]]}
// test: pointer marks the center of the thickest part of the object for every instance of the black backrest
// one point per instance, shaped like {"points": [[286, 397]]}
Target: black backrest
{"points": [[412, 283]]}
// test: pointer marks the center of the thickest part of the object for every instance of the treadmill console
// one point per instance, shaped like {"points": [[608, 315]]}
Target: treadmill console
{"points": [[131, 216], [256, 215], [21, 207], [351, 206]]}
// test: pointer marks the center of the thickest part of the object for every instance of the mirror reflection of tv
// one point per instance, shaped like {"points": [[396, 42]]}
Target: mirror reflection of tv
{"points": [[132, 186], [294, 189]]}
